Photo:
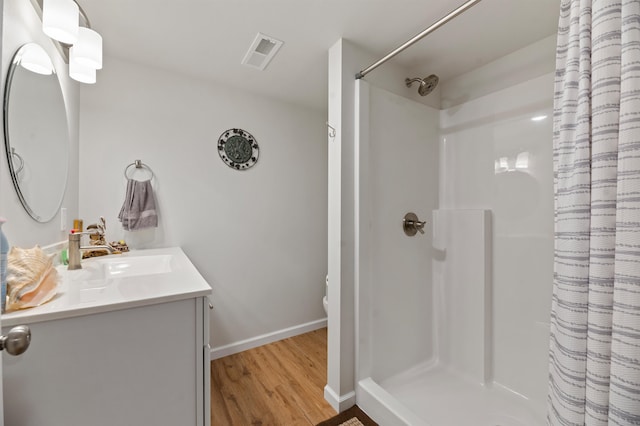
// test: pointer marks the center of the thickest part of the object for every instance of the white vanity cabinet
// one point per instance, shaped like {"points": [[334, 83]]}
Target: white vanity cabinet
{"points": [[138, 364]]}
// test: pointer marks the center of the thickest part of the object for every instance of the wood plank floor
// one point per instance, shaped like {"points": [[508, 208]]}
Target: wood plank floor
{"points": [[281, 383]]}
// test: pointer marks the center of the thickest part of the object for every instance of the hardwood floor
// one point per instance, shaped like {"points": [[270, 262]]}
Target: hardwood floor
{"points": [[281, 383]]}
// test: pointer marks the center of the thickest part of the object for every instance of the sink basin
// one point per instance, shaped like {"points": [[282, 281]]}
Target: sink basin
{"points": [[122, 267]]}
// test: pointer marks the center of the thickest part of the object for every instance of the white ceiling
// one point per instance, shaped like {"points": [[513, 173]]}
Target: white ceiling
{"points": [[207, 39]]}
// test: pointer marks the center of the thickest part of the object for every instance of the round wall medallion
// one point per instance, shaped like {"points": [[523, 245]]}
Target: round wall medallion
{"points": [[238, 149]]}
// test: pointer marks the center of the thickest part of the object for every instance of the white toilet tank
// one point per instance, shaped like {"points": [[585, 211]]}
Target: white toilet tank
{"points": [[325, 299]]}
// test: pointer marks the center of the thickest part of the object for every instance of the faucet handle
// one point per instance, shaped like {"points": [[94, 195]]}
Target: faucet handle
{"points": [[77, 232], [75, 235]]}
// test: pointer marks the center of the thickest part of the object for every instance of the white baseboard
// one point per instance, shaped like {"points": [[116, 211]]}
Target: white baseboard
{"points": [[254, 342], [339, 403]]}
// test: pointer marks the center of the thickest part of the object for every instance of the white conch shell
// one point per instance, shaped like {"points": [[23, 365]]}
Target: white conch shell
{"points": [[31, 278]]}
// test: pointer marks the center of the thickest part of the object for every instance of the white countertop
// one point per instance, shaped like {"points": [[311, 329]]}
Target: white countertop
{"points": [[91, 290]]}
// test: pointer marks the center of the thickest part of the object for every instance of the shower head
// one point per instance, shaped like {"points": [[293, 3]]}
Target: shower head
{"points": [[427, 84]]}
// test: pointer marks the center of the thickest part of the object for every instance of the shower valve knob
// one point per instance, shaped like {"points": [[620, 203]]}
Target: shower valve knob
{"points": [[412, 225]]}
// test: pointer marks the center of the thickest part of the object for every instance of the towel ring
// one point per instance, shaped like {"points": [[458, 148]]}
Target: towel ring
{"points": [[19, 158], [138, 165]]}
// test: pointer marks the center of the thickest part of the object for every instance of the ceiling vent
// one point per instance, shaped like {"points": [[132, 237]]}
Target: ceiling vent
{"points": [[262, 51]]}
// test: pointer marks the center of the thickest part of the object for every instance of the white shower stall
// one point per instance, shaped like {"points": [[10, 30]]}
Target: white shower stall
{"points": [[452, 326]]}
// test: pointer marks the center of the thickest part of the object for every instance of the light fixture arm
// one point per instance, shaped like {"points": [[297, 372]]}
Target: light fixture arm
{"points": [[83, 16]]}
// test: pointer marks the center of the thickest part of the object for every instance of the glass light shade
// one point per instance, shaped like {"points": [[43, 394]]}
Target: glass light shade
{"points": [[88, 48], [79, 72], [60, 20], [34, 58]]}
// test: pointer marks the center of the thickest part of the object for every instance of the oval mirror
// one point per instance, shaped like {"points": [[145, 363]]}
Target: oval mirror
{"points": [[36, 133]]}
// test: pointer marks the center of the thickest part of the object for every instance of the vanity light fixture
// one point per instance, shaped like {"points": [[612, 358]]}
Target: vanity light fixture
{"points": [[80, 72], [87, 50], [67, 23], [60, 20]]}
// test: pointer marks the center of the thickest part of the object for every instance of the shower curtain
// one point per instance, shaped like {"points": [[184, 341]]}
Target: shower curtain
{"points": [[594, 362]]}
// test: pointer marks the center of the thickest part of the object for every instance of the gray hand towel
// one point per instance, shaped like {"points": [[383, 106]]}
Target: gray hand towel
{"points": [[139, 208]]}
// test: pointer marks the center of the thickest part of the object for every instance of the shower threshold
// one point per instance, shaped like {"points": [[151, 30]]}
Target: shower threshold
{"points": [[433, 395]]}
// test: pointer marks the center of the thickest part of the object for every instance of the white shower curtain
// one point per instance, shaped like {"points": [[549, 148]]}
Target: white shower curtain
{"points": [[594, 364]]}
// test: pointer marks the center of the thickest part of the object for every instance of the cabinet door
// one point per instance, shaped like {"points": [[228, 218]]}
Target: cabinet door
{"points": [[128, 367]]}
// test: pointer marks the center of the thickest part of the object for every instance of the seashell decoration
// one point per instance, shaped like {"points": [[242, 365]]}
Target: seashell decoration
{"points": [[31, 278]]}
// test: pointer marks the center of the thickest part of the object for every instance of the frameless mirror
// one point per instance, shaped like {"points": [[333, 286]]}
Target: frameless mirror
{"points": [[36, 133]]}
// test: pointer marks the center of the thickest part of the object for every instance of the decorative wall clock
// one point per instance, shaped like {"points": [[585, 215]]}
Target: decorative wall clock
{"points": [[238, 149]]}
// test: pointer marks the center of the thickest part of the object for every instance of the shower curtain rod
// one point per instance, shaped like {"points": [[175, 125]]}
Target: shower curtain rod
{"points": [[418, 37]]}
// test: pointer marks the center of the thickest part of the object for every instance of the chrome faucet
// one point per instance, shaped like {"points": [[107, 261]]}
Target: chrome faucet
{"points": [[75, 249]]}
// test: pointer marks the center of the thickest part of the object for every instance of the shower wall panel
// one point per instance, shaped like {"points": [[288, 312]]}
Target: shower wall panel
{"points": [[496, 154], [462, 291], [398, 174]]}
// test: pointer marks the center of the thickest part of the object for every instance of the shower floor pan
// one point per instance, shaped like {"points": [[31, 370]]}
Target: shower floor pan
{"points": [[429, 395]]}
